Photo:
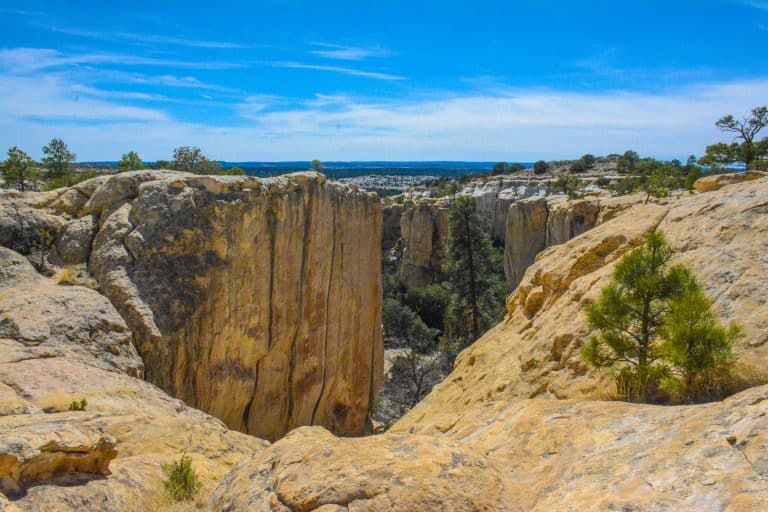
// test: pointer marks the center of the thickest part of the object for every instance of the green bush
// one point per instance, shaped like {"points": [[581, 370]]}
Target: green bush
{"points": [[540, 167], [78, 406], [697, 348], [430, 303], [656, 330], [69, 179], [400, 322], [181, 480]]}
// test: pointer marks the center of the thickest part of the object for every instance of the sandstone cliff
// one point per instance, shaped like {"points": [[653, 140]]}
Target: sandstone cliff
{"points": [[424, 231], [536, 223], [257, 301]]}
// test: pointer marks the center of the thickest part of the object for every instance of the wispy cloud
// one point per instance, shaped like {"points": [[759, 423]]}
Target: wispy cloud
{"points": [[28, 60], [49, 99], [21, 12], [339, 69], [80, 89], [150, 38], [757, 5], [525, 124], [341, 52]]}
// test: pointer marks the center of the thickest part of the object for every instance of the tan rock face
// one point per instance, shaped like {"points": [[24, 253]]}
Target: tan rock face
{"points": [[718, 181], [424, 229], [536, 223], [531, 455], [256, 301]]}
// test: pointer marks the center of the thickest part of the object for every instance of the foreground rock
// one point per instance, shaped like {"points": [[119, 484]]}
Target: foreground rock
{"points": [[258, 301], [60, 345]]}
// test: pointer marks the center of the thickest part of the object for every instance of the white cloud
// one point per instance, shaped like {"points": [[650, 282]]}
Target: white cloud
{"points": [[48, 98], [509, 124], [338, 69], [341, 52], [150, 38], [29, 60]]}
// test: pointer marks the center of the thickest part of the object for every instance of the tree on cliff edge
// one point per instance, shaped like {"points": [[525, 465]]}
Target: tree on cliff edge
{"points": [[19, 169], [478, 294], [750, 151]]}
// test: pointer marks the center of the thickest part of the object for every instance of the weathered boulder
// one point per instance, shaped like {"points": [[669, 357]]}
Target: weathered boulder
{"points": [[424, 229], [73, 244], [718, 181], [36, 312], [309, 469], [258, 301]]}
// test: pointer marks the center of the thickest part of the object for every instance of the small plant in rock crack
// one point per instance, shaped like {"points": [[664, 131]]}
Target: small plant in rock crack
{"points": [[78, 406], [181, 480]]}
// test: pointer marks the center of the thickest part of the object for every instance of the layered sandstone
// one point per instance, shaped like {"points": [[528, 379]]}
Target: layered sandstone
{"points": [[536, 223], [257, 301]]}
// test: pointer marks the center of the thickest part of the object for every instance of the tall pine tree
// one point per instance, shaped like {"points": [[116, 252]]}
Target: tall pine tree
{"points": [[478, 293]]}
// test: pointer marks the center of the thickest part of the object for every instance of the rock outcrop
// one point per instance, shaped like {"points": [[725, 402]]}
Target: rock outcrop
{"points": [[258, 301], [536, 223], [62, 344], [535, 352], [424, 229], [718, 181]]}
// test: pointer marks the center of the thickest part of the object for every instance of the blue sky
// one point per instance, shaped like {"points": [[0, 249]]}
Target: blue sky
{"points": [[379, 80]]}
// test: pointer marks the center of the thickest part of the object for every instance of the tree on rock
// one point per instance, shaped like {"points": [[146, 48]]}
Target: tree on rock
{"points": [[19, 169], [746, 148], [191, 159], [58, 159], [629, 313], [478, 294], [697, 348], [540, 167], [131, 162]]}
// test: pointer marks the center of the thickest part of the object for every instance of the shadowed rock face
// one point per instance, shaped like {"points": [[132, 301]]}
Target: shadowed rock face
{"points": [[256, 301], [424, 230]]}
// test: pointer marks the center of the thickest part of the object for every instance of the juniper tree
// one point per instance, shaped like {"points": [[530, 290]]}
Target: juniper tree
{"points": [[58, 159], [745, 148], [131, 162]]}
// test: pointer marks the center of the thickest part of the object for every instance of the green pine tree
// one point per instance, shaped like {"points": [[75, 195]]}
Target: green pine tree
{"points": [[698, 349], [473, 279], [19, 169], [629, 314]]}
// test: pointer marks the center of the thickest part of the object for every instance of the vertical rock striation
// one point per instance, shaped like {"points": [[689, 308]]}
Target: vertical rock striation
{"points": [[536, 223], [424, 229], [257, 301]]}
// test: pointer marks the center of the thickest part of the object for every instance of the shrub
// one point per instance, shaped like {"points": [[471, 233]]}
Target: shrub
{"points": [[181, 480], [569, 185], [401, 322], [698, 349], [78, 406], [430, 303], [657, 330], [602, 182], [540, 167]]}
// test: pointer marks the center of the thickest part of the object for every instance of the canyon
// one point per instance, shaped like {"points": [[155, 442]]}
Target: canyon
{"points": [[258, 302]]}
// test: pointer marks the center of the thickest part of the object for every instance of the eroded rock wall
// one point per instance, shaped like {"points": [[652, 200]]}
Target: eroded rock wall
{"points": [[257, 301], [424, 230]]}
